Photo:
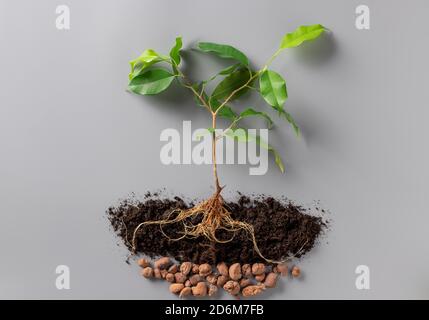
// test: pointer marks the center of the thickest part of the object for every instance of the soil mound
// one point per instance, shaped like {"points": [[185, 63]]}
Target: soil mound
{"points": [[282, 229]]}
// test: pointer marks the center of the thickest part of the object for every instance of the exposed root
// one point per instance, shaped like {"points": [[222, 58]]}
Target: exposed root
{"points": [[214, 217]]}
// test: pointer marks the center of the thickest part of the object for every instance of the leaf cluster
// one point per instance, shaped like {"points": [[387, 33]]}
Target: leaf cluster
{"points": [[152, 73]]}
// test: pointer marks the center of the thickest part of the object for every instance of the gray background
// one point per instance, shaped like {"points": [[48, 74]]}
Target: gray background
{"points": [[73, 141]]}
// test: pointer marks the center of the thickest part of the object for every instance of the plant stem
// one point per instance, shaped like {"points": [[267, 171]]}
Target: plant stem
{"points": [[214, 115], [216, 177]]}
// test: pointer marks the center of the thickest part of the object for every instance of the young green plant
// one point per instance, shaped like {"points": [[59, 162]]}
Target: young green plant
{"points": [[149, 76]]}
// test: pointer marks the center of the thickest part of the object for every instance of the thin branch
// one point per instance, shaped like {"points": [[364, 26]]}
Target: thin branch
{"points": [[250, 80], [198, 95], [229, 128]]}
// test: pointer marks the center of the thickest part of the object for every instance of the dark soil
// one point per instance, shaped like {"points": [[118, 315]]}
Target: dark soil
{"points": [[282, 229]]}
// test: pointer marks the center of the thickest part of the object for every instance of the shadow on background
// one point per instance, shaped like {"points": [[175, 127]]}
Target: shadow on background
{"points": [[317, 52]]}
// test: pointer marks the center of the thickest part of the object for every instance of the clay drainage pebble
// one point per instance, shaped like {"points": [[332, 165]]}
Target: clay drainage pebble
{"points": [[236, 279]]}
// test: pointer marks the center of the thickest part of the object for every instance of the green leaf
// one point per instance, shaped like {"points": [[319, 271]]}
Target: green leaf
{"points": [[270, 148], [148, 55], [291, 120], [151, 82], [301, 34], [251, 112], [224, 51], [223, 72], [229, 70], [145, 60], [228, 113], [233, 82], [175, 51], [242, 136], [277, 159], [273, 89]]}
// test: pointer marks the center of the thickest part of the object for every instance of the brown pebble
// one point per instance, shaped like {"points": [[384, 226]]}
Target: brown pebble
{"points": [[147, 272], [173, 269], [186, 268], [258, 268], [246, 270], [221, 280], [244, 282], [296, 272], [143, 263], [252, 291], [211, 278], [232, 287], [157, 273], [235, 271], [271, 280], [195, 268], [170, 277], [186, 291], [162, 263], [176, 287], [180, 277], [195, 279], [282, 268], [222, 268], [200, 290], [188, 283], [163, 273], [205, 269], [260, 277], [212, 290]]}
